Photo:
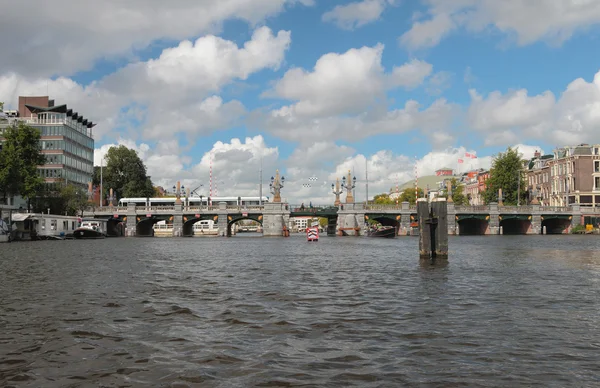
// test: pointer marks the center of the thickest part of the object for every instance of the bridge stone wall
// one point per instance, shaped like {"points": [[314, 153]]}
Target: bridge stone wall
{"points": [[276, 215], [350, 216]]}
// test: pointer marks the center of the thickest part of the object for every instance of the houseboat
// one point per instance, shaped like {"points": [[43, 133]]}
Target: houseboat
{"points": [[5, 223], [91, 228], [39, 226]]}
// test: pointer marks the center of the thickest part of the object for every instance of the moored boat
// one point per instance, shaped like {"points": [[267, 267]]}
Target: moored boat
{"points": [[382, 231], [88, 229]]}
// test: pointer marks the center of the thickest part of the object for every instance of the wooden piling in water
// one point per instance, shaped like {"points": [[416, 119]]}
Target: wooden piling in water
{"points": [[439, 210], [433, 229], [424, 228]]}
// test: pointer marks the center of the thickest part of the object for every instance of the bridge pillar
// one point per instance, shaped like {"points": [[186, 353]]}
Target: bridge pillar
{"points": [[351, 219], [276, 215], [452, 225], [178, 220], [494, 221], [222, 222], [131, 223], [576, 219], [535, 226], [404, 227]]}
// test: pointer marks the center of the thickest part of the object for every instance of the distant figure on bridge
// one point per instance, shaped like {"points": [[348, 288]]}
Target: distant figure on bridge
{"points": [[302, 206], [310, 204]]}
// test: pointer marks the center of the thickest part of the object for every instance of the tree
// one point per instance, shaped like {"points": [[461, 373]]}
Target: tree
{"points": [[125, 173], [19, 160], [408, 195], [383, 199], [506, 174], [458, 193], [74, 199]]}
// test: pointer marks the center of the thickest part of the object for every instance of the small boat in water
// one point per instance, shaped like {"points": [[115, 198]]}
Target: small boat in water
{"points": [[94, 228], [382, 231]]}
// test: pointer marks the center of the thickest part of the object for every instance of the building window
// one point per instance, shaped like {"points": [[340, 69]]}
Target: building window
{"points": [[596, 165], [597, 183]]}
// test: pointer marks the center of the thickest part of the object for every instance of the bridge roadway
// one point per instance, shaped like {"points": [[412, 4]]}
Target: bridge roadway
{"points": [[347, 219]]}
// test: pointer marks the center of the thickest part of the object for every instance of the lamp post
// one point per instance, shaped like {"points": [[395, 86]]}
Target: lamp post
{"points": [[179, 190], [337, 191], [276, 185], [348, 185], [110, 197], [500, 198], [201, 196]]}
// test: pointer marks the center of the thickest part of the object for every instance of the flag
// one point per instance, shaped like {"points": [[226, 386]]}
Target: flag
{"points": [[473, 156], [468, 155], [460, 160]]}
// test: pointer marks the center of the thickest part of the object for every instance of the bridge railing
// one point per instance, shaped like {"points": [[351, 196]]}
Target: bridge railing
{"points": [[475, 208], [309, 208], [378, 206]]}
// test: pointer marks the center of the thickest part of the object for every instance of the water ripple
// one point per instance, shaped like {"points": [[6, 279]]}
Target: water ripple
{"points": [[505, 311]]}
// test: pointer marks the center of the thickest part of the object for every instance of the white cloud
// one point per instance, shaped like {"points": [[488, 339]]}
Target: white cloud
{"points": [[172, 94], [356, 14], [357, 75], [524, 21], [286, 125], [62, 37], [344, 97], [411, 74], [514, 116]]}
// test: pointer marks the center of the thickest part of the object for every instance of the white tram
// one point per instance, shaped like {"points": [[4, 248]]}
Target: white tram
{"points": [[194, 201]]}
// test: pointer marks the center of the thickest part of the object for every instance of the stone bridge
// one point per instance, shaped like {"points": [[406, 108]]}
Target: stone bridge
{"points": [[347, 219]]}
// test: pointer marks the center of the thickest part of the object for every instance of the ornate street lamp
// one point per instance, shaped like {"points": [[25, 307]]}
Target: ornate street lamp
{"points": [[337, 191], [500, 198], [276, 185], [348, 185], [179, 190], [110, 197], [201, 196]]}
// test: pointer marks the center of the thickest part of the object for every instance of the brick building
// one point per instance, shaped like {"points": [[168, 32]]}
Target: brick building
{"points": [[574, 176]]}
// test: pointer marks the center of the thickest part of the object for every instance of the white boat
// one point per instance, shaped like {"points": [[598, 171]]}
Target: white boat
{"points": [[91, 228], [39, 226], [205, 228]]}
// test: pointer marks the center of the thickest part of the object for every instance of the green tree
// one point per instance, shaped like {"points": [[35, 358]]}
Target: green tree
{"points": [[383, 199], [506, 174], [408, 195], [458, 192], [125, 173], [74, 199], [19, 160]]}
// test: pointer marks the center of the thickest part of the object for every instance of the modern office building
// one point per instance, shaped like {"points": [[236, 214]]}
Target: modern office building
{"points": [[66, 140]]}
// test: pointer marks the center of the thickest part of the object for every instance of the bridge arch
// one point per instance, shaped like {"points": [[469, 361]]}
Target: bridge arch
{"points": [[472, 224], [385, 219], [190, 220], [556, 223], [143, 226], [513, 224], [232, 219], [115, 226]]}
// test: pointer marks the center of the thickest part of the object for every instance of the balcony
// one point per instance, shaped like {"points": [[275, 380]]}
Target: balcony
{"points": [[51, 121]]}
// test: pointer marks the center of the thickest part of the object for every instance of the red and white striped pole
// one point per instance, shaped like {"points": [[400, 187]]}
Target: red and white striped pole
{"points": [[416, 180], [210, 177]]}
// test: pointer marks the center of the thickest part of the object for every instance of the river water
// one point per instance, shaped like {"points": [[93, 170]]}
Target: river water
{"points": [[506, 311]]}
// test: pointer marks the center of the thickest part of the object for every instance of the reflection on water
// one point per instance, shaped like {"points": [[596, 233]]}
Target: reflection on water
{"points": [[239, 312]]}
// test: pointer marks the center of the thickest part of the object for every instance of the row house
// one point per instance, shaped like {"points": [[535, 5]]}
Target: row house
{"points": [[475, 185], [572, 176], [538, 179]]}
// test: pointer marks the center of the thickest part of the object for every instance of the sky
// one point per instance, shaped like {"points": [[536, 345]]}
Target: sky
{"points": [[312, 88]]}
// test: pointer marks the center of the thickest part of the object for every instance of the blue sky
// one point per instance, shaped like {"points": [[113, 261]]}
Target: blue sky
{"points": [[473, 75]]}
